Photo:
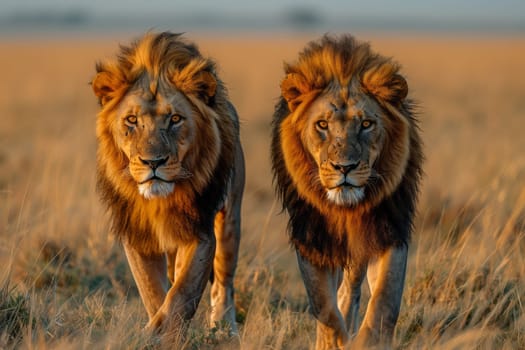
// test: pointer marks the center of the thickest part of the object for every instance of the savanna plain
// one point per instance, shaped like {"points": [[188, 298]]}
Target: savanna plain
{"points": [[65, 283]]}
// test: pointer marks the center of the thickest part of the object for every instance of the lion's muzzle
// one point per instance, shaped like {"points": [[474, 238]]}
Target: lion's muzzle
{"points": [[154, 163], [344, 180], [155, 176], [344, 167]]}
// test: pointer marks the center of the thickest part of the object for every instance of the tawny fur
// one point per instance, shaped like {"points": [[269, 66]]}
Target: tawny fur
{"points": [[155, 75], [385, 215], [368, 228]]}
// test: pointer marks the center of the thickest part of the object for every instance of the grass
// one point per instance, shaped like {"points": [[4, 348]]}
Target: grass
{"points": [[64, 282]]}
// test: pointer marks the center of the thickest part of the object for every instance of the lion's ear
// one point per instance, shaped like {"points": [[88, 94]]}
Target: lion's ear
{"points": [[385, 83], [104, 86], [202, 84], [292, 88], [205, 85]]}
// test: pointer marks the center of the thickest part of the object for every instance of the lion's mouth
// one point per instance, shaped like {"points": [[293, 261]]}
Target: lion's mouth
{"points": [[345, 185], [155, 178]]}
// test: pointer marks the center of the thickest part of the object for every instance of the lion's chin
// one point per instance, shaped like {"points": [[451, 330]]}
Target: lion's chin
{"points": [[345, 195], [155, 189]]}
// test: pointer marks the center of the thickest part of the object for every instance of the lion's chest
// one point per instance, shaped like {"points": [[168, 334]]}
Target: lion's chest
{"points": [[335, 237], [158, 227], [173, 229]]}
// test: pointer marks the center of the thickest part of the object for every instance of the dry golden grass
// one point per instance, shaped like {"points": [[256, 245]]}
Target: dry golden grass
{"points": [[65, 284]]}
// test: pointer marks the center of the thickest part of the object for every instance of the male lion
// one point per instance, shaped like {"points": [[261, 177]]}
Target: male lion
{"points": [[171, 171], [347, 160]]}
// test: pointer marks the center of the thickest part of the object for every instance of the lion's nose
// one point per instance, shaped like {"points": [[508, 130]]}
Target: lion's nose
{"points": [[345, 168], [154, 163]]}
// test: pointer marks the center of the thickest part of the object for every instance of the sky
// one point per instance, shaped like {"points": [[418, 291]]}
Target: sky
{"points": [[475, 9], [503, 12]]}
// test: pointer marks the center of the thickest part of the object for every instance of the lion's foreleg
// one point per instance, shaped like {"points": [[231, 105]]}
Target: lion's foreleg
{"points": [[228, 233], [193, 267], [321, 287], [149, 272], [386, 278], [349, 296]]}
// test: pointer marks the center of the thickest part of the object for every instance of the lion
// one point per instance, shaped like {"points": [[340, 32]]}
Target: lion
{"points": [[170, 169], [346, 158]]}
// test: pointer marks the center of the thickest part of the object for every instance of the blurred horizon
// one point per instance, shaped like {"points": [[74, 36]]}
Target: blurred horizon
{"points": [[33, 17]]}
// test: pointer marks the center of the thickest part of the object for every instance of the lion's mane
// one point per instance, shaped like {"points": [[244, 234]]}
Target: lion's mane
{"points": [[192, 206], [324, 233]]}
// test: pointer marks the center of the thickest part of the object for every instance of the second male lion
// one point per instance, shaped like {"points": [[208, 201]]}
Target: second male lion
{"points": [[347, 160], [171, 171]]}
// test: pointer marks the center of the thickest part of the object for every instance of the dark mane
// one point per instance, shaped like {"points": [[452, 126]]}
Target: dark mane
{"points": [[325, 234]]}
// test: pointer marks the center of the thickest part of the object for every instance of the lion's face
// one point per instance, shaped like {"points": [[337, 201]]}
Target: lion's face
{"points": [[159, 127], [155, 134], [344, 137]]}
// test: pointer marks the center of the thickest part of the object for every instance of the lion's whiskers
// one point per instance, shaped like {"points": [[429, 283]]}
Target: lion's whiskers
{"points": [[376, 176], [184, 174]]}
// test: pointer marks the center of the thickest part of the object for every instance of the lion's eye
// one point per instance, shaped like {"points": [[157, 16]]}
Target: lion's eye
{"points": [[131, 119], [175, 119], [322, 124], [366, 124]]}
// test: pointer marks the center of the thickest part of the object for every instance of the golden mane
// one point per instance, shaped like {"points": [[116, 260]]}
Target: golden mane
{"points": [[384, 218], [155, 60], [163, 57], [331, 61]]}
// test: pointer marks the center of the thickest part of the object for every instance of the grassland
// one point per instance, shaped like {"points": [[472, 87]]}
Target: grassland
{"points": [[64, 282]]}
